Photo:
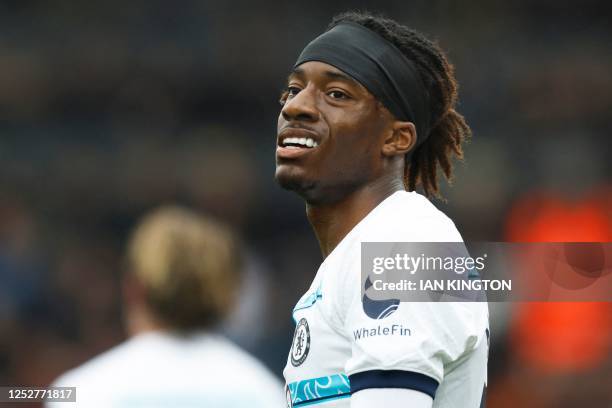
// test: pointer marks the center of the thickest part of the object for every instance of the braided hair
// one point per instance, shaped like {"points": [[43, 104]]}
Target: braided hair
{"points": [[448, 128]]}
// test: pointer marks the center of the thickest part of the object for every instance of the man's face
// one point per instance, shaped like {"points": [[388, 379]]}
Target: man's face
{"points": [[330, 134]]}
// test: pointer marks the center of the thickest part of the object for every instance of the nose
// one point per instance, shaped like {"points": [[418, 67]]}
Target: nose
{"points": [[301, 107]]}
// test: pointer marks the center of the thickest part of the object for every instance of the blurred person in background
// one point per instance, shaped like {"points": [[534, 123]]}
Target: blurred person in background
{"points": [[182, 279]]}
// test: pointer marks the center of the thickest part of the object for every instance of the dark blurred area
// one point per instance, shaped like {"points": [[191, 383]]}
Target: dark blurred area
{"points": [[108, 109]]}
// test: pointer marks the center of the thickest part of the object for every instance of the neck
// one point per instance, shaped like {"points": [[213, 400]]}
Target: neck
{"points": [[138, 321], [333, 221]]}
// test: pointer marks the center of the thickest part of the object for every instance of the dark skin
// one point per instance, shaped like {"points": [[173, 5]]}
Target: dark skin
{"points": [[359, 160]]}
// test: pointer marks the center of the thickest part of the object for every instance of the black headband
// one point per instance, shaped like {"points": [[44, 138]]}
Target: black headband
{"points": [[379, 66]]}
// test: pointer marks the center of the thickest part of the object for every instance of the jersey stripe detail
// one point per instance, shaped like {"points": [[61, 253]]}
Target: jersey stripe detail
{"points": [[308, 301], [321, 400], [393, 379], [321, 389]]}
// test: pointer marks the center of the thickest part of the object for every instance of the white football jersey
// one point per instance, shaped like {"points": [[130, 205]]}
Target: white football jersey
{"points": [[156, 370], [342, 344]]}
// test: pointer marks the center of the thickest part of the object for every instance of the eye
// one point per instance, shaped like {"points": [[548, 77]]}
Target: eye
{"points": [[289, 93], [292, 91], [337, 94]]}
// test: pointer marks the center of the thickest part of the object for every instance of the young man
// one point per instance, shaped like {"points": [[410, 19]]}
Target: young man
{"points": [[367, 114], [182, 279]]}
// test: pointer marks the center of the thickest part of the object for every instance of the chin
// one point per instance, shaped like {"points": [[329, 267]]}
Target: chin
{"points": [[289, 178], [314, 192], [294, 180]]}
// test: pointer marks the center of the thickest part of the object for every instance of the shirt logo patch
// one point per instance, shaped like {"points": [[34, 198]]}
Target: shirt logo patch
{"points": [[301, 343], [378, 309]]}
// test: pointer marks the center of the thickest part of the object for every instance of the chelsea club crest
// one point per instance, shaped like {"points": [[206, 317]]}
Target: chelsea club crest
{"points": [[301, 343]]}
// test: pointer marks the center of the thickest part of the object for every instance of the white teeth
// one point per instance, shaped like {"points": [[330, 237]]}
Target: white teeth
{"points": [[308, 142]]}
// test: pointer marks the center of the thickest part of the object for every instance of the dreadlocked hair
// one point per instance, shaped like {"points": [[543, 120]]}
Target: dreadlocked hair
{"points": [[448, 128]]}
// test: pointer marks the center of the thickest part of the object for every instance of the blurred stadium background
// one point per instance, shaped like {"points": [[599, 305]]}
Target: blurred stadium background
{"points": [[108, 109]]}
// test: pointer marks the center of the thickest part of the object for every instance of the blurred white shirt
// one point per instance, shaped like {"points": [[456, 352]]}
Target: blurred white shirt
{"points": [[166, 370]]}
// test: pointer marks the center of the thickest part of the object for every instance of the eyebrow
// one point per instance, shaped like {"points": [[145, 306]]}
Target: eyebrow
{"points": [[329, 74]]}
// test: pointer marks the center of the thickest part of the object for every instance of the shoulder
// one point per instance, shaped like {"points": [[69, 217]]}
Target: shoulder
{"points": [[410, 217], [242, 363], [105, 366], [402, 217], [168, 363], [224, 360]]}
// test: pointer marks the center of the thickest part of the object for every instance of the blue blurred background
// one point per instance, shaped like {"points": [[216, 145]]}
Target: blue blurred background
{"points": [[109, 108]]}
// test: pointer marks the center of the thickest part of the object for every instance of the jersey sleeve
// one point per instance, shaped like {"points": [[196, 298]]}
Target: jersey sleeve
{"points": [[406, 345], [409, 347], [390, 398]]}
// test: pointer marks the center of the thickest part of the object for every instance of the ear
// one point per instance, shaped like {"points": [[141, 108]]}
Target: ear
{"points": [[401, 139]]}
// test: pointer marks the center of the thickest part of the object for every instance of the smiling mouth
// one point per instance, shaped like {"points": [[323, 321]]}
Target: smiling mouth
{"points": [[294, 147], [295, 142], [298, 143]]}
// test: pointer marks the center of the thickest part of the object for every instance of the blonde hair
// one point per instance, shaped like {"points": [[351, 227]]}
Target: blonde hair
{"points": [[188, 266]]}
